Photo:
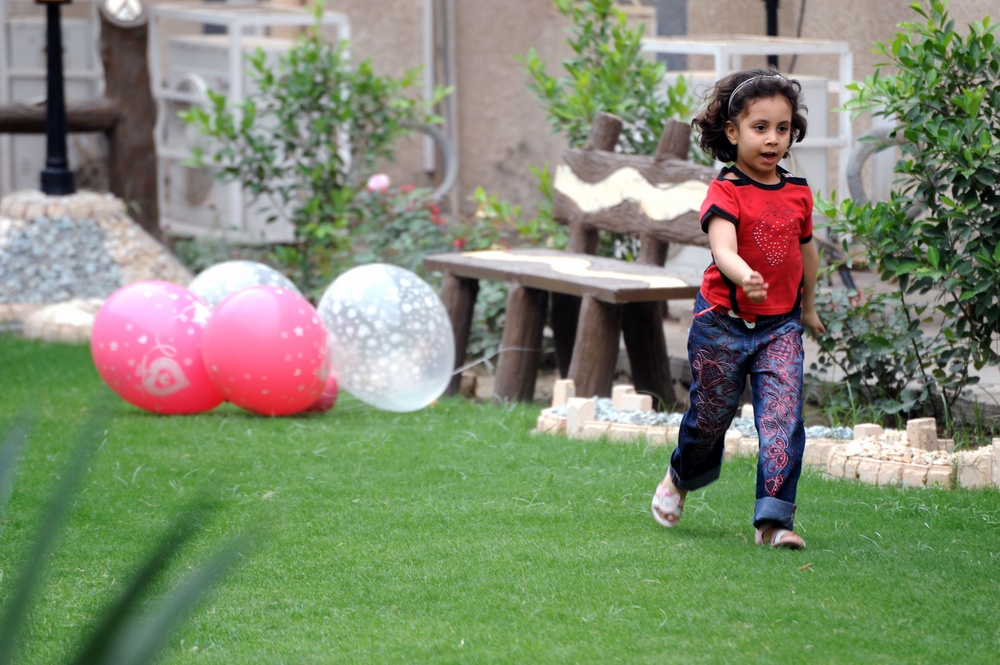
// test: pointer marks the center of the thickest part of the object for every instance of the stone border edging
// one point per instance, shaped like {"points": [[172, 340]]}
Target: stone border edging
{"points": [[874, 456]]}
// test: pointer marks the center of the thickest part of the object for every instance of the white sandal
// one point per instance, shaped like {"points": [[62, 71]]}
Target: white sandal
{"points": [[779, 537], [668, 504]]}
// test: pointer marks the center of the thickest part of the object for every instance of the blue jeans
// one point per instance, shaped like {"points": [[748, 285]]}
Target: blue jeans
{"points": [[723, 351]]}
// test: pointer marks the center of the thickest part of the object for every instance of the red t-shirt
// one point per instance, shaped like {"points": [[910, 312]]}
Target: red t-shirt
{"points": [[771, 222]]}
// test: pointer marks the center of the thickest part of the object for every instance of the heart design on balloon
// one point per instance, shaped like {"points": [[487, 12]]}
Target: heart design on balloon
{"points": [[164, 377]]}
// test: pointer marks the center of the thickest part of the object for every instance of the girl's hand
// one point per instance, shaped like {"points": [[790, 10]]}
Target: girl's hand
{"points": [[810, 320], [755, 287]]}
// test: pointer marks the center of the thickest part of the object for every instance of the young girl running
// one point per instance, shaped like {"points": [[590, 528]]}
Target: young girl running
{"points": [[754, 300]]}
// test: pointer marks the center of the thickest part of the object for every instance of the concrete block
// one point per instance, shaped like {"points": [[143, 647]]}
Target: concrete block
{"points": [[975, 467], [825, 446], [637, 402], [817, 451], [731, 444], [836, 460], [851, 466], [550, 423], [618, 393], [579, 410], [563, 391], [996, 463], [865, 430], [890, 473], [914, 475], [593, 430], [746, 411], [868, 470], [939, 475], [659, 436], [749, 447], [946, 445], [922, 433], [623, 432]]}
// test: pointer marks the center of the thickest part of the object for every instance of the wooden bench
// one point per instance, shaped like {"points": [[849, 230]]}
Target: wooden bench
{"points": [[595, 301]]}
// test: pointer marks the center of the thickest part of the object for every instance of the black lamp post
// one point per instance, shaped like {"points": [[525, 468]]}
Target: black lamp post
{"points": [[57, 179], [771, 9]]}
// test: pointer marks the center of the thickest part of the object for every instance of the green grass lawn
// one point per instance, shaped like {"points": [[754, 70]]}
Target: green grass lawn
{"points": [[454, 535]]}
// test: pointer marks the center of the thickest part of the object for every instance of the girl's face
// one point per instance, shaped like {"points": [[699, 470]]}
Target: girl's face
{"points": [[762, 137]]}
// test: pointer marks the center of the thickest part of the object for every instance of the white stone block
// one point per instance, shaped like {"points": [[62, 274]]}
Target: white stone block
{"points": [[939, 475], [865, 430], [836, 460], [868, 470], [637, 402], [594, 429], [550, 423], [922, 433], [914, 475], [625, 432], [579, 410], [975, 467], [996, 463], [946, 445], [562, 391], [618, 393], [658, 436], [746, 411], [851, 467], [890, 473], [749, 447]]}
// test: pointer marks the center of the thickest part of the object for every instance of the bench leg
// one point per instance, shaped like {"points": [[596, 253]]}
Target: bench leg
{"points": [[521, 344], [642, 328], [458, 294], [565, 314], [595, 352]]}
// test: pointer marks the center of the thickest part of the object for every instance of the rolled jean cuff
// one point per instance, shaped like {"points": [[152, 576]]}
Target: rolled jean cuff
{"points": [[706, 478], [770, 509]]}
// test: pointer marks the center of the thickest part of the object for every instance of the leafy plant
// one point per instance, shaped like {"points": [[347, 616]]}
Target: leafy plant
{"points": [[118, 636], [307, 139], [940, 87], [885, 365], [397, 225], [607, 72]]}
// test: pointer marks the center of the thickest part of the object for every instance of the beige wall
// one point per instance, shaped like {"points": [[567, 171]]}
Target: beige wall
{"points": [[501, 129]]}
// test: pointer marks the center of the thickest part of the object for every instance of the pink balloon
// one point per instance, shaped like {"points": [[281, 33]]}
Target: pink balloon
{"points": [[146, 345], [265, 349], [327, 398]]}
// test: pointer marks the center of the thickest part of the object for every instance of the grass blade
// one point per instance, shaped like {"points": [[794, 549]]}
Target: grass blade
{"points": [[16, 612]]}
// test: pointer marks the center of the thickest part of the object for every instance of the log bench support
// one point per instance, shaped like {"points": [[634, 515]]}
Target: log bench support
{"points": [[592, 302], [521, 344]]}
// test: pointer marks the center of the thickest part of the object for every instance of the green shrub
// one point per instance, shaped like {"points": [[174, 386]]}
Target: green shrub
{"points": [[607, 72], [937, 232], [886, 367], [307, 141]]}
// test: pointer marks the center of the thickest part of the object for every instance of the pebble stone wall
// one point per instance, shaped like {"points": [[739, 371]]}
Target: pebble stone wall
{"points": [[61, 256]]}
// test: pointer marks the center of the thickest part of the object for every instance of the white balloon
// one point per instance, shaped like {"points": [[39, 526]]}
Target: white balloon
{"points": [[391, 341], [218, 281]]}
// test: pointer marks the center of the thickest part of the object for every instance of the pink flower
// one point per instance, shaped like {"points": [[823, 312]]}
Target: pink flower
{"points": [[459, 243], [378, 183]]}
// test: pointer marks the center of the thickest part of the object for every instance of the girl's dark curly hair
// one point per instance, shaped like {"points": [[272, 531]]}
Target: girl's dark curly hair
{"points": [[724, 105]]}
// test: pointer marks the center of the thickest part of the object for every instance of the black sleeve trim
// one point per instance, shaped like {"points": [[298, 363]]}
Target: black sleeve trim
{"points": [[806, 240], [712, 212]]}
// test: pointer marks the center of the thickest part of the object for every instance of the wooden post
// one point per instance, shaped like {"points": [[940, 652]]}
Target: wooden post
{"points": [[596, 348], [642, 329], [458, 295], [521, 344], [583, 239], [132, 150]]}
